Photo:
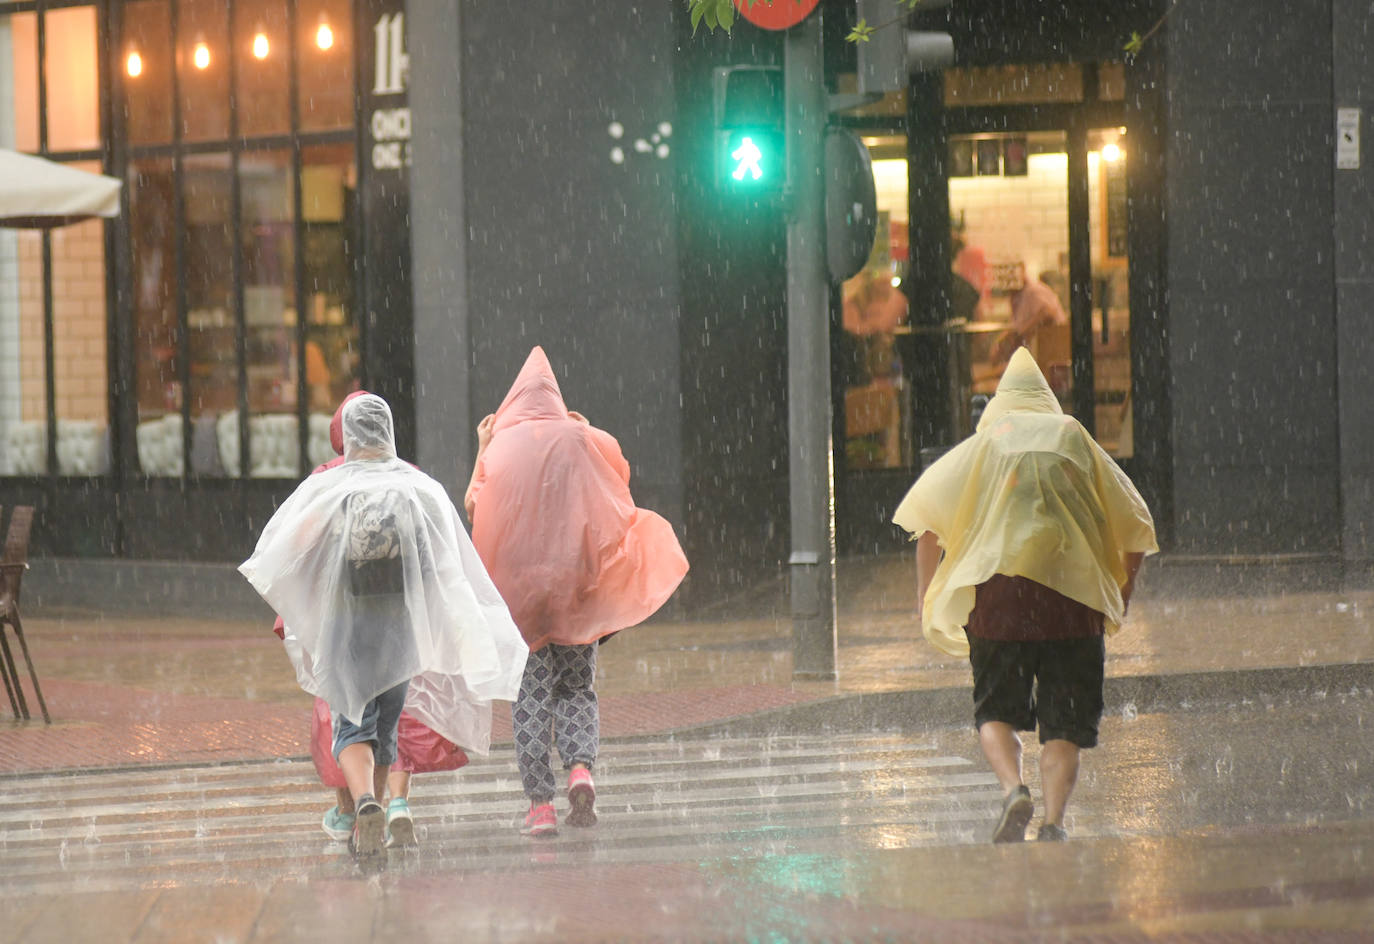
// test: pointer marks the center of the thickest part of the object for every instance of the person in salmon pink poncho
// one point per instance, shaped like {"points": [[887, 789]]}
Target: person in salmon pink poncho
{"points": [[575, 560], [419, 748]]}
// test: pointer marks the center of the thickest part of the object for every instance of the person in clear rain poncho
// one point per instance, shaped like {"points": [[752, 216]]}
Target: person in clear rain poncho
{"points": [[554, 521], [419, 749], [1042, 536], [385, 605]]}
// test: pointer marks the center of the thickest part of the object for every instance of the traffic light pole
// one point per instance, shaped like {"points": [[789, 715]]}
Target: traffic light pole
{"points": [[811, 479]]}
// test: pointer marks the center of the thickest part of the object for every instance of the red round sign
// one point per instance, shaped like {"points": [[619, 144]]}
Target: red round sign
{"points": [[775, 14]]}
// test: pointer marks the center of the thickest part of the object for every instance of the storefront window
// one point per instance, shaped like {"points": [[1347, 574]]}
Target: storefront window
{"points": [[324, 30], [1111, 317], [72, 84], [80, 380], [145, 61], [23, 388], [262, 41], [329, 185], [157, 335], [19, 81], [202, 62], [877, 399]]}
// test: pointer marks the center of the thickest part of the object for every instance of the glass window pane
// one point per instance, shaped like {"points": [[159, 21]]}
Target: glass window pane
{"points": [[145, 57], [73, 88], [329, 205], [157, 371], [1107, 153], [262, 46], [269, 311], [80, 347], [203, 68], [325, 36], [19, 81], [23, 392], [210, 321], [1010, 220], [877, 399]]}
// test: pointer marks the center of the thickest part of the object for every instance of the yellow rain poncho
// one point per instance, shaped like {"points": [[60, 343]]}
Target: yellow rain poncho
{"points": [[1031, 495]]}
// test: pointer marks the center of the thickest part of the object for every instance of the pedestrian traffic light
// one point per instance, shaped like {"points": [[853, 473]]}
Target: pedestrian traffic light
{"points": [[749, 154]]}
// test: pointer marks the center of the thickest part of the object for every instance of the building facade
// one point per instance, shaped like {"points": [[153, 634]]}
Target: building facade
{"points": [[291, 232]]}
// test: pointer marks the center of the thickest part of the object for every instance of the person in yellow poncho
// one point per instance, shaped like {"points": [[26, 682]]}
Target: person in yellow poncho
{"points": [[1042, 537]]}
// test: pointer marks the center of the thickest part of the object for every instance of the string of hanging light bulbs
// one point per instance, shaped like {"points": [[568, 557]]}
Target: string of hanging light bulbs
{"points": [[260, 47]]}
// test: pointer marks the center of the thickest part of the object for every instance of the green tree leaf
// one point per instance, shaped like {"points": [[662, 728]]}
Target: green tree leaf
{"points": [[860, 33]]}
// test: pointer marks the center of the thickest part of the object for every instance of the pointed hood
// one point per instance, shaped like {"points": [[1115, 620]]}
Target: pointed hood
{"points": [[336, 424], [1022, 389], [533, 396]]}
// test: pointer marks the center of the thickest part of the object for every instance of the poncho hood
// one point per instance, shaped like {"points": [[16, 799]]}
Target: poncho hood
{"points": [[368, 432], [1022, 389], [1032, 495], [336, 424], [533, 396]]}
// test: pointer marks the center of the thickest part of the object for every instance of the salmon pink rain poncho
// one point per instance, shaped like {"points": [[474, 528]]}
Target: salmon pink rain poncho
{"points": [[555, 524], [1030, 494], [377, 583]]}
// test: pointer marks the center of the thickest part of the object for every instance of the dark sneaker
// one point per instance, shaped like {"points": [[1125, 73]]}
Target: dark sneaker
{"points": [[1051, 833], [1016, 816], [400, 825], [581, 797], [540, 821], [338, 826], [368, 830]]}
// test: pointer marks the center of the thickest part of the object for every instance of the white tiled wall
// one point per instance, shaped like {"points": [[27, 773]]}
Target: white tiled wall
{"points": [[1017, 219]]}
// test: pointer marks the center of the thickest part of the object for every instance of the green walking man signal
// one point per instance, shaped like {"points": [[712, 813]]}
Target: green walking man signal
{"points": [[750, 158]]}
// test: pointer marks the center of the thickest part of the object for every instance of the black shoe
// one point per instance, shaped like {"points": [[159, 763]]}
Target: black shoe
{"points": [[1016, 816], [1051, 833], [369, 833]]}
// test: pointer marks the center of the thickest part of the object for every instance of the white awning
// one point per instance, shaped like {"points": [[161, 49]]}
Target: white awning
{"points": [[38, 193]]}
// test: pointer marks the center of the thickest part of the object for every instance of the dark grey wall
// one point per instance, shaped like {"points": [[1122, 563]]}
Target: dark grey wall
{"points": [[1250, 275], [527, 232], [1353, 82], [564, 247]]}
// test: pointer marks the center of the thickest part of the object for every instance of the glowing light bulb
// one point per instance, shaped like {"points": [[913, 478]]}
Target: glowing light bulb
{"points": [[134, 64], [1111, 153], [260, 45], [200, 55], [324, 36]]}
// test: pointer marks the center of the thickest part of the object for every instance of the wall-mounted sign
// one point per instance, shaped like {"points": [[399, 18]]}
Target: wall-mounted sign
{"points": [[1348, 138], [775, 14]]}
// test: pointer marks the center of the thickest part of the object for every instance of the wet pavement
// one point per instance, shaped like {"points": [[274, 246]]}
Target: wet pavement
{"points": [[170, 800]]}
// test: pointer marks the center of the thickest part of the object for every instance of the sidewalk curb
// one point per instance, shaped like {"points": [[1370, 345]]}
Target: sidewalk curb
{"points": [[1123, 695]]}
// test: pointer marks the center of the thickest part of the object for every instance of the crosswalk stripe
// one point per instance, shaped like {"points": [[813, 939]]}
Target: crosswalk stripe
{"points": [[657, 801]]}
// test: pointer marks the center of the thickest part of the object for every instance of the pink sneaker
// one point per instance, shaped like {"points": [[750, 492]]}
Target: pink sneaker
{"points": [[540, 821], [581, 797]]}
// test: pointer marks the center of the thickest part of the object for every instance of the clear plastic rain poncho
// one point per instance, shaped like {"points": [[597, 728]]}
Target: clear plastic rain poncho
{"points": [[377, 582], [1030, 494]]}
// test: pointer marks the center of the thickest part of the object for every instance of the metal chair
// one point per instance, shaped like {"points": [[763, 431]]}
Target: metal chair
{"points": [[13, 563]]}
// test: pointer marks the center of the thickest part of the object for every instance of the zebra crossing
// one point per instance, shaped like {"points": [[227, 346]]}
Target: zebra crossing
{"points": [[658, 801]]}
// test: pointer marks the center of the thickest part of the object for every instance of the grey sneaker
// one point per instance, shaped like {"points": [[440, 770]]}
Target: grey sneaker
{"points": [[1051, 833], [368, 827], [1016, 816]]}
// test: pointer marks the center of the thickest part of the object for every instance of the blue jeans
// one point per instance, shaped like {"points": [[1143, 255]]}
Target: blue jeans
{"points": [[380, 719]]}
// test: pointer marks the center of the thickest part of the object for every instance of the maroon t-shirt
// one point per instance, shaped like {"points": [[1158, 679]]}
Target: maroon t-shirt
{"points": [[1015, 609]]}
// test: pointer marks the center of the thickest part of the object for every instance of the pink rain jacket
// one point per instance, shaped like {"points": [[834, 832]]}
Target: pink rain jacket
{"points": [[418, 749], [553, 520]]}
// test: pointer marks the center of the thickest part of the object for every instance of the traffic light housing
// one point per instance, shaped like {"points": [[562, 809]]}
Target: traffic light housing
{"points": [[750, 156]]}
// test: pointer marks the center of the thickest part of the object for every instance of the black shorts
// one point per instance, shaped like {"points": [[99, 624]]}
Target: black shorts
{"points": [[1055, 684]]}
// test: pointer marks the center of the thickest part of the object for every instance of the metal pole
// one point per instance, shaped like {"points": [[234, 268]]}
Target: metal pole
{"points": [[811, 474]]}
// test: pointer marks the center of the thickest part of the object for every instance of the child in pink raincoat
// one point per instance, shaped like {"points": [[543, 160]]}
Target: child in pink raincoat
{"points": [[575, 560], [421, 750]]}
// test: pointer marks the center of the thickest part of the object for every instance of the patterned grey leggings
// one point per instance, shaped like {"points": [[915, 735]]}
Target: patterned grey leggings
{"points": [[556, 705]]}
